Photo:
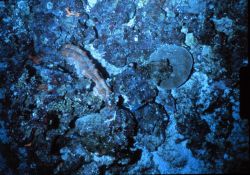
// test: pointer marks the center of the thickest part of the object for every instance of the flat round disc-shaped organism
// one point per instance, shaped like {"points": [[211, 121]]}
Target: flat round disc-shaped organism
{"points": [[180, 61]]}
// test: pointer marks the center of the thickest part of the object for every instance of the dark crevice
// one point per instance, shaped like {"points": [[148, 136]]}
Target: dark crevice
{"points": [[72, 123], [120, 101], [31, 72], [11, 157], [56, 145], [98, 66], [52, 120]]}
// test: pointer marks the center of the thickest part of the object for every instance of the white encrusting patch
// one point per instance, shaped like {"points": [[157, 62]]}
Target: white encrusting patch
{"points": [[110, 68], [92, 3]]}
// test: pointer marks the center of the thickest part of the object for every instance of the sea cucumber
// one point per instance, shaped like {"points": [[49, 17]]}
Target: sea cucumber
{"points": [[84, 67]]}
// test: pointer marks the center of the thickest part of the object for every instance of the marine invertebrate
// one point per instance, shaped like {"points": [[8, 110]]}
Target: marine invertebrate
{"points": [[170, 66], [84, 67]]}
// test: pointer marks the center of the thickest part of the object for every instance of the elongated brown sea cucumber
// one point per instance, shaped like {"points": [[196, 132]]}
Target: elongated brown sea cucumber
{"points": [[84, 67]]}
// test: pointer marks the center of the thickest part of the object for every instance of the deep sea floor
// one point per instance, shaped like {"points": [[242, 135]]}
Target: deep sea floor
{"points": [[123, 87]]}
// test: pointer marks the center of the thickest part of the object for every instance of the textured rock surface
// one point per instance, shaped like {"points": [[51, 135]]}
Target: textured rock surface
{"points": [[107, 131], [152, 121], [134, 89]]}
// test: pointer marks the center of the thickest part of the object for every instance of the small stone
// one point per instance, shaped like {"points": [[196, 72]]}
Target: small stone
{"points": [[206, 50], [184, 30], [190, 39], [92, 3], [21, 4], [49, 5], [136, 38], [170, 14], [90, 23], [224, 25]]}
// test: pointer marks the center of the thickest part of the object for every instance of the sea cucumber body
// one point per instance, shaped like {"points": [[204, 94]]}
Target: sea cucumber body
{"points": [[84, 67]]}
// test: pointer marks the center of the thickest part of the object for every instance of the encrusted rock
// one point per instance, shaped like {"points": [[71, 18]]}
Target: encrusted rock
{"points": [[134, 88], [107, 131], [152, 121]]}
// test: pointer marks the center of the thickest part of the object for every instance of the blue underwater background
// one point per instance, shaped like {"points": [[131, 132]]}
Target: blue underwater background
{"points": [[123, 87]]}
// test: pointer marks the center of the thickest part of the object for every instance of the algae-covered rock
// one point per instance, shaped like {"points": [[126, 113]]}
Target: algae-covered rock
{"points": [[107, 131], [134, 88], [152, 122]]}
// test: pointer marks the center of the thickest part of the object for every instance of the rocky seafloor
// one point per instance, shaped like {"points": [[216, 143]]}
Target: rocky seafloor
{"points": [[122, 87]]}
